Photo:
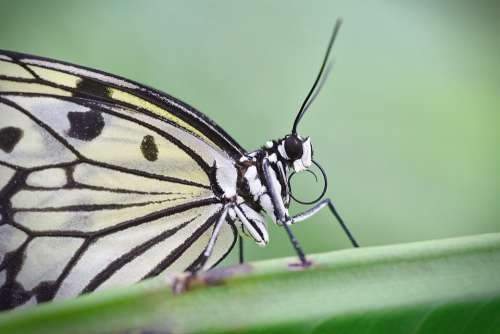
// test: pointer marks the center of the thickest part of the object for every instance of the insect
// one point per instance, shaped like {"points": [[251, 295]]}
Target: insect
{"points": [[105, 182]]}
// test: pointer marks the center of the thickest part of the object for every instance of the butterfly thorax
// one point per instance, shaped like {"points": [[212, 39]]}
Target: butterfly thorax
{"points": [[254, 184]]}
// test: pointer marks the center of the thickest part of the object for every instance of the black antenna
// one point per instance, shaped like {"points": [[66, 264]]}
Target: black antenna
{"points": [[308, 100], [328, 68]]}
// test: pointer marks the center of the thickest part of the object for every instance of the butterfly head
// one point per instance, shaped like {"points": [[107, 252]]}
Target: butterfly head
{"points": [[296, 152], [293, 147]]}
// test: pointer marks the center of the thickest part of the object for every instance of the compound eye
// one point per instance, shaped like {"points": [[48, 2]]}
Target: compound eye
{"points": [[293, 148]]}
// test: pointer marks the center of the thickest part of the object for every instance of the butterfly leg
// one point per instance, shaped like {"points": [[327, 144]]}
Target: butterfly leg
{"points": [[211, 242], [241, 249], [280, 211], [255, 228], [315, 209], [296, 244]]}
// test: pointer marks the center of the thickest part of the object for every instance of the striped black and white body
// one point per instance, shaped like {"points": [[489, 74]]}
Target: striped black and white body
{"points": [[262, 188], [105, 182]]}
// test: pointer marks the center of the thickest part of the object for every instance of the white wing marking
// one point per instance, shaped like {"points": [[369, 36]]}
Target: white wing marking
{"points": [[89, 221], [42, 263], [96, 176], [10, 239], [60, 199], [6, 174], [47, 178]]}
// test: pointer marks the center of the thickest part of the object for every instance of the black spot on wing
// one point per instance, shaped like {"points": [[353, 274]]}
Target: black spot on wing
{"points": [[45, 291], [85, 125], [86, 87], [149, 148], [9, 137], [12, 294]]}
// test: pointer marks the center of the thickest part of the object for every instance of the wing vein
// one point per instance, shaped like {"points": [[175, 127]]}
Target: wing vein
{"points": [[119, 262]]}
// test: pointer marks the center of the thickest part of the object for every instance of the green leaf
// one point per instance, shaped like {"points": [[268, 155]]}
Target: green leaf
{"points": [[444, 286]]}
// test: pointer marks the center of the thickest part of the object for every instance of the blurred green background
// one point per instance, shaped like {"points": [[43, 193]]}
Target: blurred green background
{"points": [[407, 125]]}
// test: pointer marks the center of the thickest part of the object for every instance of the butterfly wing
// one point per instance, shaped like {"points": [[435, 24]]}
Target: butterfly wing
{"points": [[30, 73], [97, 191]]}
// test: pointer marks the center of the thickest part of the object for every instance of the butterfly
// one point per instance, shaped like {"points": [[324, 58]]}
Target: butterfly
{"points": [[105, 182]]}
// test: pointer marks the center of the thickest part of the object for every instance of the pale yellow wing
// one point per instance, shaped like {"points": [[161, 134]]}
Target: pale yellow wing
{"points": [[28, 73], [96, 194]]}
